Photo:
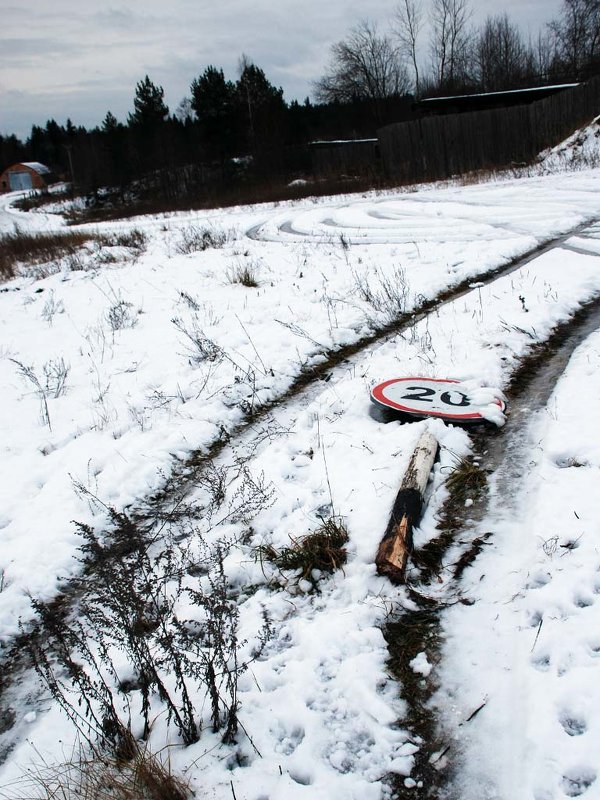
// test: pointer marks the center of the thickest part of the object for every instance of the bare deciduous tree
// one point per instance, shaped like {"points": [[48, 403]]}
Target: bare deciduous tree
{"points": [[502, 60], [365, 65], [545, 54], [577, 34], [450, 42], [407, 24]]}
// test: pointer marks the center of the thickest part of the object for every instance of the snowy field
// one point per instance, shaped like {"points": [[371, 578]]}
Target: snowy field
{"points": [[118, 365]]}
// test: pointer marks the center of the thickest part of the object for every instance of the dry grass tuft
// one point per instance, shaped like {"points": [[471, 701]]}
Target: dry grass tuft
{"points": [[245, 274], [466, 481], [37, 248], [95, 776], [33, 249], [322, 550], [195, 239], [134, 239]]}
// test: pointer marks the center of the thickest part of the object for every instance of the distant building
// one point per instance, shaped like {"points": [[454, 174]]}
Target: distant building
{"points": [[458, 104], [24, 176]]}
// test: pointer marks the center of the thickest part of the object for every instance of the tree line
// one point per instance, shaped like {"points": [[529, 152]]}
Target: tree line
{"points": [[457, 57], [225, 131], [234, 131]]}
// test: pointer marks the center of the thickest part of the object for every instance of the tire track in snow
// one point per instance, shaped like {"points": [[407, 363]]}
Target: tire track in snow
{"points": [[309, 382], [394, 220]]}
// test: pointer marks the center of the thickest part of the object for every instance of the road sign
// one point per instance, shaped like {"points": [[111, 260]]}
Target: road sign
{"points": [[434, 397]]}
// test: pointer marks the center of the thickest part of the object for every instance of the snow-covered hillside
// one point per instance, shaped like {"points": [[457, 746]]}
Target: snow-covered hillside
{"points": [[579, 151]]}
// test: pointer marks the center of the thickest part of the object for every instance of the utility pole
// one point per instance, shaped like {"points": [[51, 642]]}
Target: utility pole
{"points": [[69, 148]]}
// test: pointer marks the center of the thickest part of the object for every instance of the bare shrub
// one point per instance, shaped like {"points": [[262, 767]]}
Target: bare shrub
{"points": [[56, 372], [105, 256], [190, 301], [297, 330], [140, 416], [96, 338], [136, 580], [135, 240], [77, 261], [244, 392], [118, 247], [28, 373], [387, 294], [120, 316], [36, 199], [195, 238], [202, 347], [69, 247], [51, 308]]}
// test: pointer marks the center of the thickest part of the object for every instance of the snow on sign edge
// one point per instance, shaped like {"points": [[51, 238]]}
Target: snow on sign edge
{"points": [[379, 397]]}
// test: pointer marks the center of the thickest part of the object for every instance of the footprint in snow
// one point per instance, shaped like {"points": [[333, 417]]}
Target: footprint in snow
{"points": [[538, 579], [573, 724], [541, 662], [535, 618], [564, 664], [594, 647], [577, 780], [290, 742], [303, 777]]}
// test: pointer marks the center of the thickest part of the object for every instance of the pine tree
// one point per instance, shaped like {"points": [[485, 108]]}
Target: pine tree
{"points": [[262, 107], [148, 125], [110, 123], [115, 148], [214, 101], [149, 105]]}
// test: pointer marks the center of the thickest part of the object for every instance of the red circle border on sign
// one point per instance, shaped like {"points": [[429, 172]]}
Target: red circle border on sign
{"points": [[379, 397]]}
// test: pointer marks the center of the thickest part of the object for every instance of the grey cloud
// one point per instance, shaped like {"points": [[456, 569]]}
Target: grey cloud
{"points": [[26, 48], [124, 19], [86, 105], [112, 46]]}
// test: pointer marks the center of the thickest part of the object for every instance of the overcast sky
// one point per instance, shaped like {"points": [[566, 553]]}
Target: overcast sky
{"points": [[81, 58]]}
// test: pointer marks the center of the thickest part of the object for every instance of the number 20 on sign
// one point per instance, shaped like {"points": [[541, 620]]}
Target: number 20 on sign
{"points": [[429, 397]]}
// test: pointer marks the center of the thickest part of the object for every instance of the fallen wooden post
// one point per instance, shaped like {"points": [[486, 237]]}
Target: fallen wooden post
{"points": [[396, 545]]}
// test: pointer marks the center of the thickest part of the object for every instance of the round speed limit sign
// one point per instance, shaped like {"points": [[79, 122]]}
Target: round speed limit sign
{"points": [[431, 397]]}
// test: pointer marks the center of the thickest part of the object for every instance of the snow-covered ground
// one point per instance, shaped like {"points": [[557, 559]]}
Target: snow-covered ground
{"points": [[164, 354], [529, 646]]}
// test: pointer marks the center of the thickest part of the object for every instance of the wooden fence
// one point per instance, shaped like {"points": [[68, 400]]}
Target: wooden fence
{"points": [[438, 147], [355, 157]]}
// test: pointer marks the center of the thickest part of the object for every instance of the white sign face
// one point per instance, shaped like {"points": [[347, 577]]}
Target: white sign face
{"points": [[431, 397]]}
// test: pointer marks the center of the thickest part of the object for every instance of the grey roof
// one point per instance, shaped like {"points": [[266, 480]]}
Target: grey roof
{"points": [[554, 87], [42, 169]]}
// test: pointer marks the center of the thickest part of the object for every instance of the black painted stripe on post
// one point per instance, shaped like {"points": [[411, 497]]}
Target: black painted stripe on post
{"points": [[397, 543]]}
